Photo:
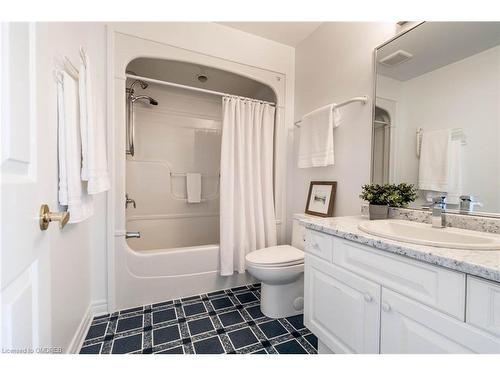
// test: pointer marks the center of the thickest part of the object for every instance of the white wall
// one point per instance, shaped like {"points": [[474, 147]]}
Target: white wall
{"points": [[217, 40], [333, 64], [77, 276]]}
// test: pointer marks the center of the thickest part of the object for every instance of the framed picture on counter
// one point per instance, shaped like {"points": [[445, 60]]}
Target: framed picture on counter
{"points": [[321, 198]]}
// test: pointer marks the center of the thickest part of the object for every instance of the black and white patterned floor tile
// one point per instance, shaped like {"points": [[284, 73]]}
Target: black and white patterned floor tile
{"points": [[226, 321]]}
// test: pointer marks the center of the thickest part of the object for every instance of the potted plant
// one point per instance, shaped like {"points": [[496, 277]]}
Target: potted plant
{"points": [[380, 197], [403, 195]]}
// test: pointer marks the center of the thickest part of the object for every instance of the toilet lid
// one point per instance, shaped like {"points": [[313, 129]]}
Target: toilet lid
{"points": [[284, 255]]}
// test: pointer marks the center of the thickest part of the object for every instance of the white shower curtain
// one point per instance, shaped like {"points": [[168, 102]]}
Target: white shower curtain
{"points": [[247, 218]]}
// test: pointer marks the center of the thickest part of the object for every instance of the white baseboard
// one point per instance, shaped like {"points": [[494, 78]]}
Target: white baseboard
{"points": [[99, 307], [95, 308]]}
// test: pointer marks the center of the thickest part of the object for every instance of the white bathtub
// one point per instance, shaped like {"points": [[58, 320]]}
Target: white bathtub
{"points": [[145, 277]]}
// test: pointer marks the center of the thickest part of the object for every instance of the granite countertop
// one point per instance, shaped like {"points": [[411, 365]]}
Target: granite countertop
{"points": [[485, 263]]}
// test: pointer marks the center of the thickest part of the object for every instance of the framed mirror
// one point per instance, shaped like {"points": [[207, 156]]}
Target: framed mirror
{"points": [[436, 116]]}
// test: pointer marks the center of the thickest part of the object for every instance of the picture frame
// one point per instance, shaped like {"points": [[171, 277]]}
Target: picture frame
{"points": [[321, 198]]}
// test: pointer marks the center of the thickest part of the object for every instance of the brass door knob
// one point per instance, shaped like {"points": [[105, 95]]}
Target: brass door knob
{"points": [[46, 217]]}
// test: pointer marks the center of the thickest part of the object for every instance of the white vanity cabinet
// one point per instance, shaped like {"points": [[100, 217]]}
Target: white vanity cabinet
{"points": [[354, 328], [362, 300], [410, 327]]}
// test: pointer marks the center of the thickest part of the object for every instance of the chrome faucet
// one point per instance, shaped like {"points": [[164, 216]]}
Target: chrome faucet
{"points": [[438, 219], [467, 203], [129, 201]]}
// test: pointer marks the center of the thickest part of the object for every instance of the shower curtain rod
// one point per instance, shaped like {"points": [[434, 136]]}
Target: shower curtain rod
{"points": [[166, 83]]}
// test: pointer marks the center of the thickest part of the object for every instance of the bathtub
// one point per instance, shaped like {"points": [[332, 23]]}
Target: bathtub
{"points": [[152, 276]]}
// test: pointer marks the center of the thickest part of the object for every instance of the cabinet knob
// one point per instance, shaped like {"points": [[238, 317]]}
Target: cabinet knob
{"points": [[386, 307], [315, 246], [367, 297]]}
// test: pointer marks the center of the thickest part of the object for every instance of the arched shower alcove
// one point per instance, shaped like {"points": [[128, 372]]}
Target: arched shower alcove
{"points": [[177, 130]]}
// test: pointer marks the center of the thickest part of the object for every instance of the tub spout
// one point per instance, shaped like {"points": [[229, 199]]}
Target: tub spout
{"points": [[133, 235]]}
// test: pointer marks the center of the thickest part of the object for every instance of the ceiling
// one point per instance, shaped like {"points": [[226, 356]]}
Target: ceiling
{"points": [[437, 44], [289, 33]]}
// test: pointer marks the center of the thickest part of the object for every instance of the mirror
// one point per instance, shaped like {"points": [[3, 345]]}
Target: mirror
{"points": [[436, 121]]}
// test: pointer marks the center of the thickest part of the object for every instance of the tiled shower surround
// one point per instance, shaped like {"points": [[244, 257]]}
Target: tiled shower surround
{"points": [[222, 322]]}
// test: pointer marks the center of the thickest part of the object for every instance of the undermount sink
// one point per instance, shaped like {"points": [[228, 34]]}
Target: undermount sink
{"points": [[425, 234]]}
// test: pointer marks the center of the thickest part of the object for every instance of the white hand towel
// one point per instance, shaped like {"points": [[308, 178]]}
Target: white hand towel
{"points": [[440, 164], [193, 186], [71, 191], [94, 158], [316, 137]]}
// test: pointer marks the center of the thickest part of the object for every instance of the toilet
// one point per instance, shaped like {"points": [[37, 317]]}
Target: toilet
{"points": [[281, 272]]}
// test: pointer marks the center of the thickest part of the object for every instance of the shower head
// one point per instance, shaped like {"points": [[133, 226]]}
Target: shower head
{"points": [[143, 84]]}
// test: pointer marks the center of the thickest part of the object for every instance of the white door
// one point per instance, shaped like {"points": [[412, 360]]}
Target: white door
{"points": [[413, 328], [342, 309], [25, 283]]}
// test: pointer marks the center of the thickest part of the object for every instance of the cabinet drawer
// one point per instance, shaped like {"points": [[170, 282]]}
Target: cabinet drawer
{"points": [[483, 304], [341, 309], [435, 286], [410, 327], [319, 244]]}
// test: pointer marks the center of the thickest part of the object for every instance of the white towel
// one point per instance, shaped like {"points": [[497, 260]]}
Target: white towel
{"points": [[316, 137], [193, 186], [440, 165], [94, 158], [71, 191]]}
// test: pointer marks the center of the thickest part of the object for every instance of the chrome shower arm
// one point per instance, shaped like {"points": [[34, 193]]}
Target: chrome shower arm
{"points": [[131, 99]]}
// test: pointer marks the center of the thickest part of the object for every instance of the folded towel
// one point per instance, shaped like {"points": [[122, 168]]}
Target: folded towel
{"points": [[440, 168], [94, 157], [193, 186], [71, 190], [316, 137]]}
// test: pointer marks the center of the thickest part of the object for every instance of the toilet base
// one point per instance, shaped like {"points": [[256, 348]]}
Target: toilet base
{"points": [[281, 301]]}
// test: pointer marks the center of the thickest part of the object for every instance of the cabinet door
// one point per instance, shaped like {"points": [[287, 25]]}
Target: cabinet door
{"points": [[411, 327], [342, 309], [483, 304]]}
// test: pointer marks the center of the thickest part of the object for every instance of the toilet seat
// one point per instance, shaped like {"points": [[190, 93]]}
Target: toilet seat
{"points": [[276, 256]]}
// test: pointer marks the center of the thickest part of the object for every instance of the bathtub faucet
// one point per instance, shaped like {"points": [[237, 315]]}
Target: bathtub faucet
{"points": [[133, 235]]}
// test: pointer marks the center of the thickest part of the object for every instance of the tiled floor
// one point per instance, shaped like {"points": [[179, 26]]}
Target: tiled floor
{"points": [[227, 321]]}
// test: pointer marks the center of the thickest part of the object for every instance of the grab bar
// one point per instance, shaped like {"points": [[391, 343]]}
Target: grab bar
{"points": [[130, 127]]}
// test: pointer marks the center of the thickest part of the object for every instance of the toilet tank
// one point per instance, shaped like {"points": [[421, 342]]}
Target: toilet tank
{"points": [[298, 235]]}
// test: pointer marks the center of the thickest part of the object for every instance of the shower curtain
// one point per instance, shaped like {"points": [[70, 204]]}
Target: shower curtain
{"points": [[247, 218]]}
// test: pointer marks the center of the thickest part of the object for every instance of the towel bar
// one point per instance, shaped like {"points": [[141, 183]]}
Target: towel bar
{"points": [[361, 99]]}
